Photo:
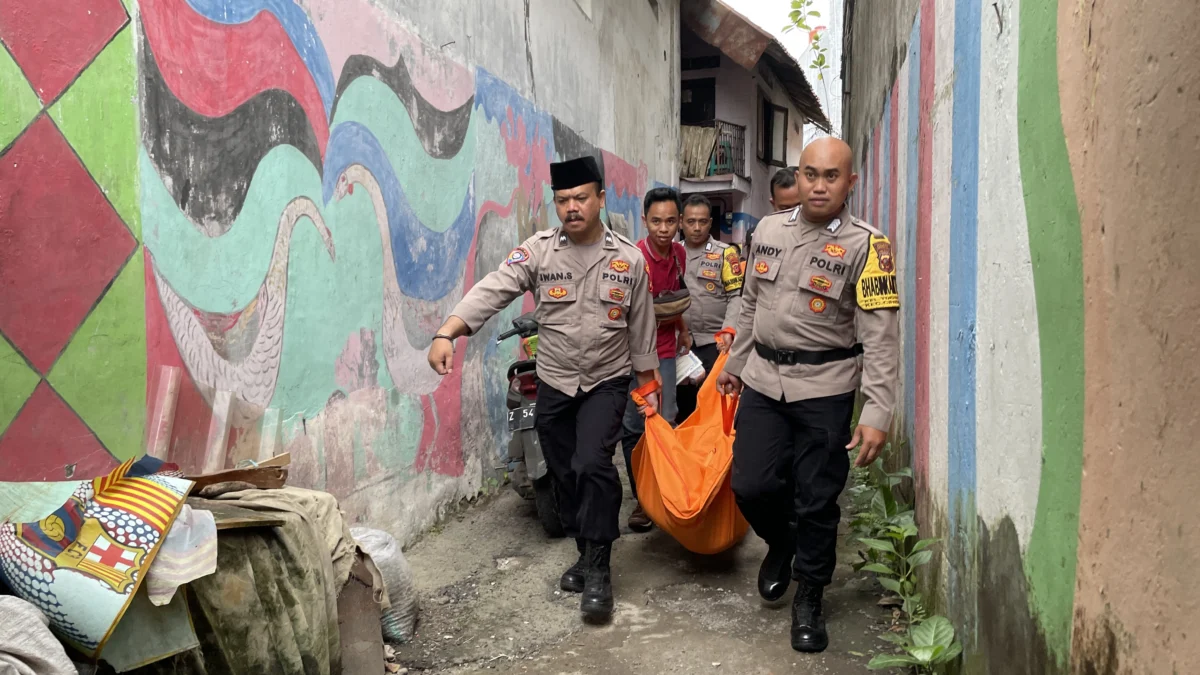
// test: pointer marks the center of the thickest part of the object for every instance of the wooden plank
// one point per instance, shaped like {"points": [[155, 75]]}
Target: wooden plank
{"points": [[231, 517], [278, 460], [265, 477]]}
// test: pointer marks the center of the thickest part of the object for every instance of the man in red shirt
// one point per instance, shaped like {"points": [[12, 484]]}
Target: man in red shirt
{"points": [[665, 261]]}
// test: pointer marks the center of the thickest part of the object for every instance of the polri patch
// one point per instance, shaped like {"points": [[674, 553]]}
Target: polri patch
{"points": [[616, 294], [519, 255], [619, 266]]}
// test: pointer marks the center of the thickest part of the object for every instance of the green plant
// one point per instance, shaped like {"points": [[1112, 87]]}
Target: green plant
{"points": [[900, 554], [801, 12], [927, 647]]}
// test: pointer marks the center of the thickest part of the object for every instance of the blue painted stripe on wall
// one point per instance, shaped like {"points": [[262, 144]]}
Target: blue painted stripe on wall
{"points": [[910, 230], [964, 222], [885, 167]]}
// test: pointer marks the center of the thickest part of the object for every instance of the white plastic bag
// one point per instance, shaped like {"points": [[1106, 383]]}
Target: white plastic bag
{"points": [[400, 620], [687, 367]]}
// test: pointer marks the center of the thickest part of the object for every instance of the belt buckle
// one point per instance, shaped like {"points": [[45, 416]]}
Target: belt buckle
{"points": [[786, 357]]}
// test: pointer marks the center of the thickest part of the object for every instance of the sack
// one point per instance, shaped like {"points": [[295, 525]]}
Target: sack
{"points": [[399, 621], [684, 474]]}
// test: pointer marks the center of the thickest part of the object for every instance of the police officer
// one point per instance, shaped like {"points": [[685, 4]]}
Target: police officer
{"points": [[816, 277], [597, 326], [714, 280]]}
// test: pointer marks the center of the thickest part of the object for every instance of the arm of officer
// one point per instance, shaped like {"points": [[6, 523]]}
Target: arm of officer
{"points": [[743, 343], [733, 278], [485, 299], [877, 320], [643, 328]]}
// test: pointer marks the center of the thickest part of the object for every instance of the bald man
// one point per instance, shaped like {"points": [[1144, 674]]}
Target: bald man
{"points": [[826, 284]]}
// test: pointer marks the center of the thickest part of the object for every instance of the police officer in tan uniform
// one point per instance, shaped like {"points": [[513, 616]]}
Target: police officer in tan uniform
{"points": [[817, 279], [597, 326], [714, 280]]}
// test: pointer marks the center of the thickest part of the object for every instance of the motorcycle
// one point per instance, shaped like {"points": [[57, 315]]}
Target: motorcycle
{"points": [[526, 464]]}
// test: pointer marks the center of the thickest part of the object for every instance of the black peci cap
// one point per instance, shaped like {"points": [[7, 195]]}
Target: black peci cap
{"points": [[575, 172]]}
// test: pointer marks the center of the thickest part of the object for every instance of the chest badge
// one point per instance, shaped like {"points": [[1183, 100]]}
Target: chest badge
{"points": [[762, 267], [558, 292], [713, 256], [710, 287], [616, 294], [834, 251], [820, 283], [817, 305], [618, 266], [708, 274], [614, 313]]}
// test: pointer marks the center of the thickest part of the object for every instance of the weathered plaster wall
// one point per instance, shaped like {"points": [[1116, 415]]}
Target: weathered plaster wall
{"points": [[318, 183], [1027, 157], [1130, 79]]}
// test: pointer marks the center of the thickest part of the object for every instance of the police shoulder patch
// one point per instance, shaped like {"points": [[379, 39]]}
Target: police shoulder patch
{"points": [[519, 254], [876, 288]]}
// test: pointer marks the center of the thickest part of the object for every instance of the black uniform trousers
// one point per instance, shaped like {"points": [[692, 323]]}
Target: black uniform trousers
{"points": [[790, 464], [685, 394], [579, 435]]}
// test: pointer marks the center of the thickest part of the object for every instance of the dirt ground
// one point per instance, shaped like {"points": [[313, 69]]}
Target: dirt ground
{"points": [[490, 603]]}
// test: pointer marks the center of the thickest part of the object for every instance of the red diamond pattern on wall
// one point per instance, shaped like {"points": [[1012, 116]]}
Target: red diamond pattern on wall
{"points": [[57, 256], [52, 42], [66, 447]]}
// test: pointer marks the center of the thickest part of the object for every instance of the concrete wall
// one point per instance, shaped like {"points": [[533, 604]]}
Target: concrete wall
{"points": [[316, 184], [1024, 159]]}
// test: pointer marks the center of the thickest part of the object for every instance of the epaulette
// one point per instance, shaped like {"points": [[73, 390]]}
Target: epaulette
{"points": [[869, 228], [623, 238]]}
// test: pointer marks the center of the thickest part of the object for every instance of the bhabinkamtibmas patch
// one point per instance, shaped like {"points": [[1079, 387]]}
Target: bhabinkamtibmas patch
{"points": [[877, 284]]}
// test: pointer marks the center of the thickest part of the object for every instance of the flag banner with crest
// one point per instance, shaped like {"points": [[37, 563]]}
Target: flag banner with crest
{"points": [[82, 563]]}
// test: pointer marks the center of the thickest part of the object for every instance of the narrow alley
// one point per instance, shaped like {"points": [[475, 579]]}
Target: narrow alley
{"points": [[488, 580]]}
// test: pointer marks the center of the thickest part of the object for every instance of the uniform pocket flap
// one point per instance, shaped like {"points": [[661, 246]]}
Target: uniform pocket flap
{"points": [[560, 292], [611, 294], [766, 268]]}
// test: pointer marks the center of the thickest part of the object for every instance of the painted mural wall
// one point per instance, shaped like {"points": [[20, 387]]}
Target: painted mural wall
{"points": [[988, 152], [283, 201]]}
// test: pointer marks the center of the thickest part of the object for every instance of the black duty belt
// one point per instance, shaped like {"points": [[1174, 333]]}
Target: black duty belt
{"points": [[794, 357]]}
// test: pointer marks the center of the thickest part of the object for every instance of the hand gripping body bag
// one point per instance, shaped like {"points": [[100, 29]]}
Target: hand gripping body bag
{"points": [[683, 474]]}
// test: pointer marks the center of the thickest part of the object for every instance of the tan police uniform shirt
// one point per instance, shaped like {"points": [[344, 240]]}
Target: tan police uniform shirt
{"points": [[714, 281], [594, 310], [817, 287]]}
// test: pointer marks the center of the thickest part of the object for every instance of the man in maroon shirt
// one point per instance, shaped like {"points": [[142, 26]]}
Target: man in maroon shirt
{"points": [[665, 261]]}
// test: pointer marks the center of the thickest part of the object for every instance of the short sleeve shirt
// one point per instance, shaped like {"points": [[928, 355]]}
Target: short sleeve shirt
{"points": [[664, 278]]}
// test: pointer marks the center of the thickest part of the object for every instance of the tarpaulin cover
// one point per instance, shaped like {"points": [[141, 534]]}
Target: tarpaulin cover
{"points": [[683, 474]]}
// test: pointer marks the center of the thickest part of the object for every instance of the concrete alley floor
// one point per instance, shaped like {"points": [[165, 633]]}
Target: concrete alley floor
{"points": [[490, 603]]}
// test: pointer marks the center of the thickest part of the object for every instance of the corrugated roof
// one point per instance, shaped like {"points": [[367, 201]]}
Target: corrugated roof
{"points": [[747, 45]]}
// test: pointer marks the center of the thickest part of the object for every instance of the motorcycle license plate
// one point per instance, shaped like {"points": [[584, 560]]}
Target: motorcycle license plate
{"points": [[521, 418]]}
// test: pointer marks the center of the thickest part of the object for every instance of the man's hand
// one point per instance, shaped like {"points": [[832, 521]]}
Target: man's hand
{"points": [[872, 443], [651, 405], [441, 356], [441, 350], [685, 342], [729, 385], [724, 342]]}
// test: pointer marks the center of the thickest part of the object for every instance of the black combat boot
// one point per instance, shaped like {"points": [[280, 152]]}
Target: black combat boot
{"points": [[597, 602], [808, 623], [775, 573], [572, 579]]}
